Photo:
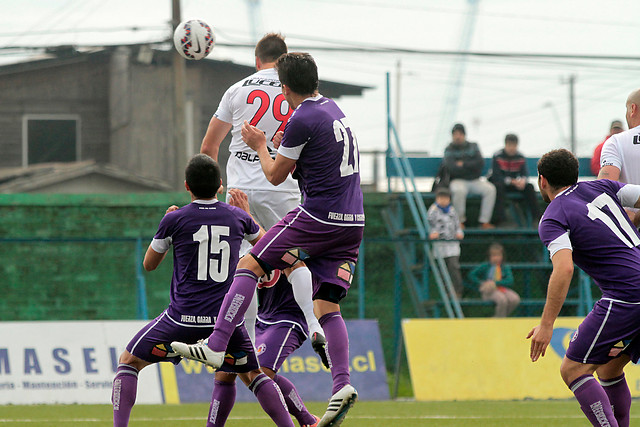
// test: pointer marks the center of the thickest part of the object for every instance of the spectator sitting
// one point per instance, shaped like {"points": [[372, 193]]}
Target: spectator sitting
{"points": [[509, 174], [492, 279], [616, 127], [464, 163], [444, 225]]}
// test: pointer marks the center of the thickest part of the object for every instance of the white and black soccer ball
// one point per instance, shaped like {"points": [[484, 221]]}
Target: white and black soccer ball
{"points": [[193, 39]]}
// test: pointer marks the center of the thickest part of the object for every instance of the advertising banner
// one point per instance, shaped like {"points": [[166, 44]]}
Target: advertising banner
{"points": [[192, 381], [67, 362], [75, 362], [488, 359]]}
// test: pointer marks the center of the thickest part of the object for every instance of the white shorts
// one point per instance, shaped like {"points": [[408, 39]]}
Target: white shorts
{"points": [[268, 207]]}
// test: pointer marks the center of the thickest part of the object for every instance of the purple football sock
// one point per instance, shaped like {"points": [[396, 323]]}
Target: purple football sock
{"points": [[123, 394], [222, 400], [593, 401], [233, 307], [620, 398], [271, 399], [335, 331], [294, 401]]}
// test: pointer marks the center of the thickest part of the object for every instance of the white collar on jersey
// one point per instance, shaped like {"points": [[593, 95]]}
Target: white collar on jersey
{"points": [[206, 202]]}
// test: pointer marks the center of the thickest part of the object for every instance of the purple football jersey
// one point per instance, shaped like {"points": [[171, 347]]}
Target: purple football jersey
{"points": [[276, 302], [589, 219], [206, 237], [319, 138]]}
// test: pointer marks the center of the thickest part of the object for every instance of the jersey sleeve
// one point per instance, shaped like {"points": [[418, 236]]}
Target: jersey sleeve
{"points": [[610, 156], [164, 236], [251, 228], [554, 231], [628, 195], [224, 111], [296, 136]]}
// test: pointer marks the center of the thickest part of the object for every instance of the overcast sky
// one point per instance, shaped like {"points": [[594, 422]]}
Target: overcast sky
{"points": [[498, 95]]}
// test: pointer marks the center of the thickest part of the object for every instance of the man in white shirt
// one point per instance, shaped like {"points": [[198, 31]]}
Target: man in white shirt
{"points": [[620, 156]]}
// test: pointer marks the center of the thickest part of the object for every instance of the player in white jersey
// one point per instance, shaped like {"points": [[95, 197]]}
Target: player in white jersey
{"points": [[620, 156]]}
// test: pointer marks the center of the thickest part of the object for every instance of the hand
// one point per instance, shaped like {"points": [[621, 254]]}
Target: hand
{"points": [[519, 183], [277, 139], [459, 163], [540, 338], [171, 209], [487, 286], [253, 136], [459, 236], [239, 199], [434, 235]]}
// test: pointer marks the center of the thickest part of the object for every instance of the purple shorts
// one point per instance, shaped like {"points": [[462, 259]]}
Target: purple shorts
{"points": [[330, 251], [152, 342], [611, 328], [276, 341]]}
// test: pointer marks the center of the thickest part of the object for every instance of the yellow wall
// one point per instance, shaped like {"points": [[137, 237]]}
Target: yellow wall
{"points": [[488, 359]]}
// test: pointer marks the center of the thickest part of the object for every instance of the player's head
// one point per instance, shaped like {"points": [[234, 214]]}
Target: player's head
{"points": [[496, 253], [202, 176], [633, 109], [556, 169], [298, 72], [458, 134], [269, 48], [511, 144]]}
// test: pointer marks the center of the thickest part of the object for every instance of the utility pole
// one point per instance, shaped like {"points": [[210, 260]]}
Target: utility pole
{"points": [[572, 112], [179, 73], [398, 95]]}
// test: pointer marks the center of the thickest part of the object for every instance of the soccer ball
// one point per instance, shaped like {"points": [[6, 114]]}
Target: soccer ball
{"points": [[193, 39]]}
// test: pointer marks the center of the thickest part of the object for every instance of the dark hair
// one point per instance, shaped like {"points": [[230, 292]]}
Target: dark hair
{"points": [[511, 137], [203, 176], [299, 72], [559, 167], [270, 47], [459, 127]]}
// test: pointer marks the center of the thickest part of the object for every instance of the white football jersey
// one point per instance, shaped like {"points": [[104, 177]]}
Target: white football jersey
{"points": [[622, 150], [257, 99]]}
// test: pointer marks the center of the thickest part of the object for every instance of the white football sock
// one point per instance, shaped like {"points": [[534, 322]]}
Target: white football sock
{"points": [[301, 283], [250, 318]]}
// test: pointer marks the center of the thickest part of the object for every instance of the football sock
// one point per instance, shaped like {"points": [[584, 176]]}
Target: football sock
{"points": [[222, 400], [337, 348], [270, 398], [234, 306], [593, 401], [123, 394], [250, 318], [620, 398], [294, 401], [302, 287]]}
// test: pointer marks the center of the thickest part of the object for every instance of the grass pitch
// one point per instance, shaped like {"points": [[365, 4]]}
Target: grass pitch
{"points": [[563, 413]]}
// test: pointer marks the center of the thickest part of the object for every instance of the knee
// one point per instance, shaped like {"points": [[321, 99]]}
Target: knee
{"points": [[458, 187], [127, 358], [489, 190]]}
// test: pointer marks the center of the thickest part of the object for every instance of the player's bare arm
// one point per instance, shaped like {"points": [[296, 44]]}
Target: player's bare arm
{"points": [[216, 132], [275, 171], [556, 293], [609, 172], [152, 259]]}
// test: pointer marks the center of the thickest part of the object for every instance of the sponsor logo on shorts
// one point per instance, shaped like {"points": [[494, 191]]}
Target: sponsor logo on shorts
{"points": [[345, 271], [160, 350], [575, 336], [261, 349]]}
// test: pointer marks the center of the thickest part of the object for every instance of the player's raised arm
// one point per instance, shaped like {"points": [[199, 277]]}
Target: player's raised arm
{"points": [[275, 171], [556, 293], [216, 132]]}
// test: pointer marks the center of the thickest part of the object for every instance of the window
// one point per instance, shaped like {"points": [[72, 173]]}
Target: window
{"points": [[50, 138]]}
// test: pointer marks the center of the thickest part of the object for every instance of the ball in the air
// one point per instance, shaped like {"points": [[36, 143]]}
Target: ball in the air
{"points": [[193, 39]]}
